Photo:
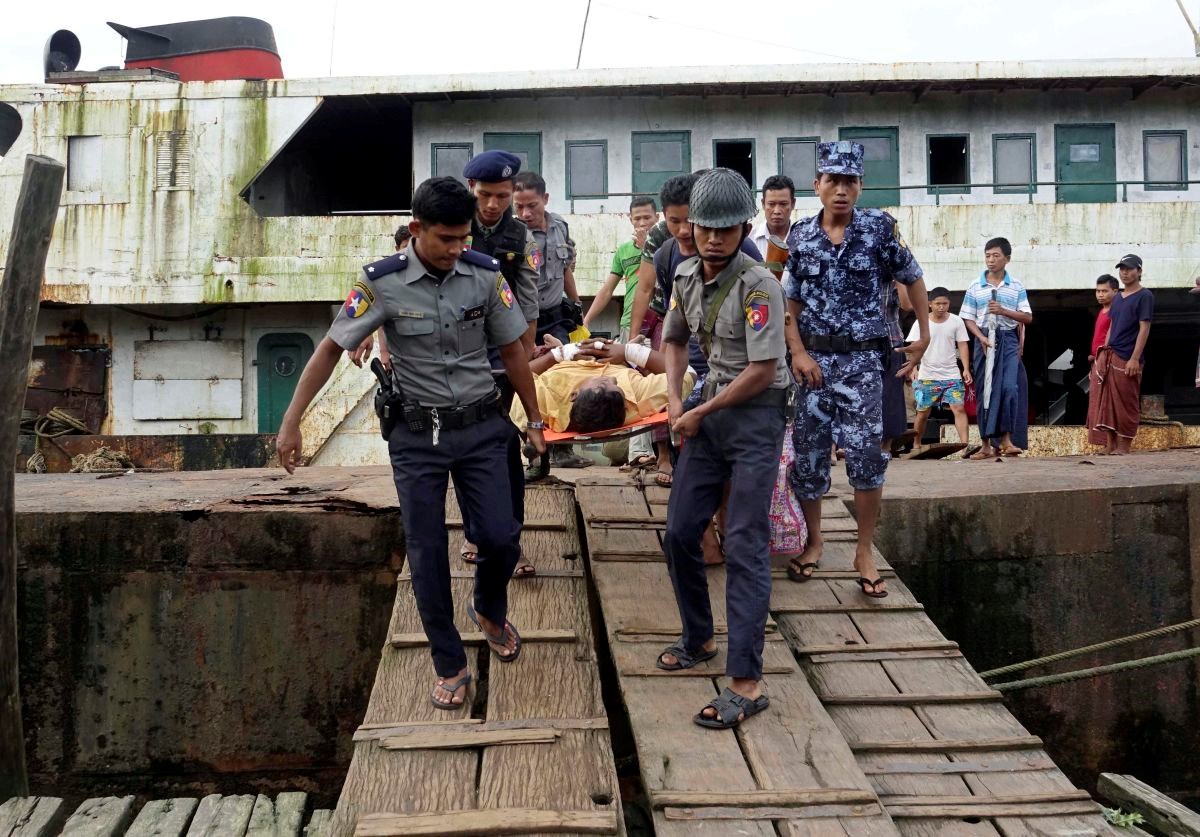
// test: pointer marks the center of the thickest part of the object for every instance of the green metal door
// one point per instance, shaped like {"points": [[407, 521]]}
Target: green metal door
{"points": [[1083, 154], [881, 164], [280, 360], [526, 146]]}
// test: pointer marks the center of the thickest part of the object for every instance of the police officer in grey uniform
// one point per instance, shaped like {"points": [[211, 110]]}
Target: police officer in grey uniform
{"points": [[559, 307], [441, 305], [735, 435]]}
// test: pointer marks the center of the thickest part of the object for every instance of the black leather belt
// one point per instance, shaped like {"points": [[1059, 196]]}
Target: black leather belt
{"points": [[453, 418], [842, 343]]}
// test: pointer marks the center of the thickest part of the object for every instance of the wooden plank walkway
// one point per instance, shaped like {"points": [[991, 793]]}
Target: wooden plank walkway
{"points": [[530, 746], [213, 816], [881, 706]]}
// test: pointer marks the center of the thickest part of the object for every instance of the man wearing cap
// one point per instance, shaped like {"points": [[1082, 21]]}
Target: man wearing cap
{"points": [[735, 435], [440, 305], [994, 309], [1118, 365], [841, 267]]}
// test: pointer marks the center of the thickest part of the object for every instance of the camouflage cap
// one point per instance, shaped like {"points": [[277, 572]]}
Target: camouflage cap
{"points": [[721, 198], [841, 157]]}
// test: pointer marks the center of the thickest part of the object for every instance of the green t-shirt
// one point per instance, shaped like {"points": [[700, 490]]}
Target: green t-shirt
{"points": [[625, 263]]}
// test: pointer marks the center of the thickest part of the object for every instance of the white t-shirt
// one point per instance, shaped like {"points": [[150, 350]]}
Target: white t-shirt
{"points": [[940, 361]]}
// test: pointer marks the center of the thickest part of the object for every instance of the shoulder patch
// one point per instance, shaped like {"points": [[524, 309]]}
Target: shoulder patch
{"points": [[480, 259], [392, 264], [757, 306], [504, 291]]}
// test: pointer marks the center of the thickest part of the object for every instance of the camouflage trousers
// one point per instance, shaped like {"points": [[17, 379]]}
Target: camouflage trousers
{"points": [[847, 406]]}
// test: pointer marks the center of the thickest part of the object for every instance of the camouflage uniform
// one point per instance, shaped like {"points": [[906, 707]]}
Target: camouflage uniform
{"points": [[842, 325]]}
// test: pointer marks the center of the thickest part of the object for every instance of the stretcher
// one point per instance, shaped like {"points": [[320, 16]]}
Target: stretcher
{"points": [[643, 424]]}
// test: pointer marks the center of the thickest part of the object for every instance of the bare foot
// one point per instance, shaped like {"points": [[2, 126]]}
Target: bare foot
{"points": [[743, 686], [509, 647], [444, 695], [864, 565], [671, 659]]}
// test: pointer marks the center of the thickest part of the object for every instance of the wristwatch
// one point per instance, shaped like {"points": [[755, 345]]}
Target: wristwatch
{"points": [[535, 425]]}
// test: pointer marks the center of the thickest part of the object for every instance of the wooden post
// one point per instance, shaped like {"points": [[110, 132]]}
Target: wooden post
{"points": [[33, 224]]}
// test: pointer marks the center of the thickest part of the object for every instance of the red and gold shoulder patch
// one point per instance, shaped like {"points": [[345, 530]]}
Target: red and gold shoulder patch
{"points": [[504, 291], [757, 306]]}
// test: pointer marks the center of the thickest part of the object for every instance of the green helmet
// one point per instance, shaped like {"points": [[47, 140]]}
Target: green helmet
{"points": [[721, 198]]}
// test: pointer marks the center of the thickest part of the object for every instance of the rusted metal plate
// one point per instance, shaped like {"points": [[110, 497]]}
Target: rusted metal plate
{"points": [[187, 360], [205, 452], [212, 399], [69, 378]]}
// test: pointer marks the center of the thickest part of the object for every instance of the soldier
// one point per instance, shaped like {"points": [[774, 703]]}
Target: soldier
{"points": [[556, 280], [734, 435], [842, 262], [441, 305]]}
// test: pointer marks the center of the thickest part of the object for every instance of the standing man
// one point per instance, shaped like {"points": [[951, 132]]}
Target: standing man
{"points": [[993, 308], [778, 202], [843, 260], [735, 435], [559, 306], [441, 305], [937, 379], [1119, 363], [643, 214]]}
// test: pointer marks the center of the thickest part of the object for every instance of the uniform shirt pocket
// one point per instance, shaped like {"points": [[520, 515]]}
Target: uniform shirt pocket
{"points": [[730, 324], [471, 336], [414, 337]]}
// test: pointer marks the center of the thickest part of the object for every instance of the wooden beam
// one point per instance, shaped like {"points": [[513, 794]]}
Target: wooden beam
{"points": [[910, 699], [1021, 809], [32, 816], [958, 767], [33, 224], [1022, 742], [107, 816], [847, 607], [467, 740], [874, 647], [761, 798], [983, 801], [373, 732], [638, 555], [1161, 811], [769, 813], [535, 525], [162, 818], [493, 821], [883, 656], [419, 640]]}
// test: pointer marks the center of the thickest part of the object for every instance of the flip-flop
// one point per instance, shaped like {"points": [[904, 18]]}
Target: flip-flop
{"points": [[796, 571], [525, 571], [664, 479], [979, 456], [639, 462], [1013, 451], [873, 592], [474, 553], [731, 709], [683, 657], [498, 639], [451, 686]]}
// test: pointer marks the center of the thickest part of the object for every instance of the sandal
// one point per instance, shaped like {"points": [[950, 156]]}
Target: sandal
{"points": [[731, 709], [452, 686], [469, 556], [498, 639], [683, 657], [644, 460], [979, 456], [797, 572], [525, 571], [873, 592], [664, 479], [1011, 451]]}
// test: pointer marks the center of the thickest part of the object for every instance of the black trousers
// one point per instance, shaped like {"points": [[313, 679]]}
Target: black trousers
{"points": [[476, 458]]}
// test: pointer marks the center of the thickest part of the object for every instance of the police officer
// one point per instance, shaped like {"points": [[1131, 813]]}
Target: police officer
{"points": [[440, 306], [559, 306], [735, 434], [842, 263]]}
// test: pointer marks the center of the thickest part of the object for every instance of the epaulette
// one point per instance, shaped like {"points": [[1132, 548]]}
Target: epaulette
{"points": [[392, 264], [481, 259]]}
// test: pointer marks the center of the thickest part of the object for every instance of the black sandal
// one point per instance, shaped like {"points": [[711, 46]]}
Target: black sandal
{"points": [[864, 583], [796, 572], [452, 686], [683, 657], [731, 709]]}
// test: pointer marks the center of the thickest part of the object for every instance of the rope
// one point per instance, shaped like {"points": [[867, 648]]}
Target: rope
{"points": [[57, 422], [1112, 643], [1068, 676]]}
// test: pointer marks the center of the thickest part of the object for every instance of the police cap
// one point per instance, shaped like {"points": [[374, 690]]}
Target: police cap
{"points": [[841, 157], [493, 166]]}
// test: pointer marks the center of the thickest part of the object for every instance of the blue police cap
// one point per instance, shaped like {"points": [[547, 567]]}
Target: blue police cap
{"points": [[493, 166], [841, 157]]}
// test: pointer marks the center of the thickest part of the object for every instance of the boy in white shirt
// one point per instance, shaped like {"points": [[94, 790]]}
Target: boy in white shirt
{"points": [[938, 378]]}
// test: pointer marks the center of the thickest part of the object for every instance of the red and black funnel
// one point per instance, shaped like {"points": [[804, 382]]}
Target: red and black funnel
{"points": [[205, 50]]}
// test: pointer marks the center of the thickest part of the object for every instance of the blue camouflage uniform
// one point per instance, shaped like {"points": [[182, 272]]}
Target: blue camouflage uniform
{"points": [[842, 325]]}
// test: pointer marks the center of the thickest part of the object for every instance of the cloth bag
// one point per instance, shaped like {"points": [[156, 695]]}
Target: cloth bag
{"points": [[789, 534]]}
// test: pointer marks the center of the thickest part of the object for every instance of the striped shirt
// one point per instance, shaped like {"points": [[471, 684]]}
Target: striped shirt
{"points": [[1010, 294]]}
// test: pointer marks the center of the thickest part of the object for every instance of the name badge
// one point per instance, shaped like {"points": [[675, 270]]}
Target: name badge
{"points": [[474, 313], [414, 315]]}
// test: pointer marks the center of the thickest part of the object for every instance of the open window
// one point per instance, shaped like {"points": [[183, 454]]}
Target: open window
{"points": [[353, 155], [949, 164], [736, 154]]}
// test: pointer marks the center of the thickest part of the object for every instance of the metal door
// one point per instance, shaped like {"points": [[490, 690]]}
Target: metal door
{"points": [[1085, 154], [280, 360], [881, 164]]}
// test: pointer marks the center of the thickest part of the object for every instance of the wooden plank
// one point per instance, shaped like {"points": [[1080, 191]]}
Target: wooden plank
{"points": [[163, 818], [107, 816], [911, 699], [875, 647], [637, 659], [419, 640], [495, 821], [847, 607], [760, 798], [769, 813], [617, 519], [318, 823], [650, 556], [984, 801], [1161, 811], [25, 268], [841, 827], [551, 524], [781, 573], [541, 573], [224, 816], [941, 746], [1022, 809], [881, 656], [32, 816], [465, 740], [379, 731], [281, 818], [990, 766]]}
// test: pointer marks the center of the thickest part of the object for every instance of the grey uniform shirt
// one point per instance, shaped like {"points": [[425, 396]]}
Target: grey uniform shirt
{"points": [[558, 254], [749, 325], [437, 331], [526, 288]]}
